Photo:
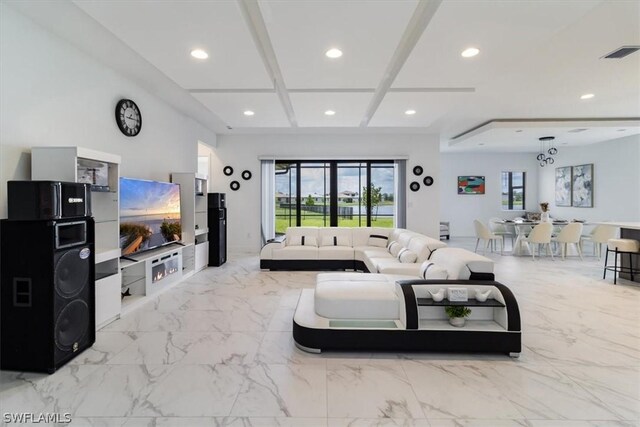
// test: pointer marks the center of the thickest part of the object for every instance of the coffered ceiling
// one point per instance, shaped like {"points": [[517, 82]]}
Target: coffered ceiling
{"points": [[536, 59]]}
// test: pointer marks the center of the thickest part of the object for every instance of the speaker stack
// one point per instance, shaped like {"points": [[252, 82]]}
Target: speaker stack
{"points": [[47, 312]]}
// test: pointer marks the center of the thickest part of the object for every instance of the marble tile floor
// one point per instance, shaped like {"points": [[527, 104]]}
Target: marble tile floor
{"points": [[216, 350]]}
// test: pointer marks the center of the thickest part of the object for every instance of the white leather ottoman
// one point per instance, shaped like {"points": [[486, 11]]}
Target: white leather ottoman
{"points": [[356, 296]]}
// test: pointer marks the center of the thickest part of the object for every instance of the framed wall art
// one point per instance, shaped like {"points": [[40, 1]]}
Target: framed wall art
{"points": [[582, 186], [471, 185], [563, 186]]}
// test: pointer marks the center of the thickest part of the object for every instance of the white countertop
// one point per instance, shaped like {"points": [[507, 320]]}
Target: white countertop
{"points": [[630, 225]]}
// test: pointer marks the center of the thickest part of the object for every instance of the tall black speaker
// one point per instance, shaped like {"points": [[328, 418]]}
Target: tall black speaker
{"points": [[47, 292], [217, 221]]}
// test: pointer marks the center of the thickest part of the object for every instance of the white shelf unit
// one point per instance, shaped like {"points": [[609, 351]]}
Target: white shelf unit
{"points": [[62, 164], [193, 213], [150, 272]]}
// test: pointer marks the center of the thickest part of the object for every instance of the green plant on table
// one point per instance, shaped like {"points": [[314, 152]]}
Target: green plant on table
{"points": [[457, 311]]}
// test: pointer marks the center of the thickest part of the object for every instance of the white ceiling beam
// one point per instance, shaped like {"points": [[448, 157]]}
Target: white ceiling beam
{"points": [[255, 22], [423, 14], [344, 90]]}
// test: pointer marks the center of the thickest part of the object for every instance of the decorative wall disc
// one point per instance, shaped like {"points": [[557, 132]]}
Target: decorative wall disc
{"points": [[246, 175], [228, 170], [428, 181], [414, 186], [417, 170], [235, 185]]}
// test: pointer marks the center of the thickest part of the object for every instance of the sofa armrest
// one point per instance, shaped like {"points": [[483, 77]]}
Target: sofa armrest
{"points": [[267, 250]]}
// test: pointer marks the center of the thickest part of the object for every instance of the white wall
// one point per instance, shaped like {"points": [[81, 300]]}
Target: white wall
{"points": [[242, 152], [55, 94], [461, 210], [616, 174]]}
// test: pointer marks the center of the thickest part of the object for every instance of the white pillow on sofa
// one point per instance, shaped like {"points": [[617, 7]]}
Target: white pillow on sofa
{"points": [[407, 257], [395, 248], [429, 270], [302, 241], [335, 241]]}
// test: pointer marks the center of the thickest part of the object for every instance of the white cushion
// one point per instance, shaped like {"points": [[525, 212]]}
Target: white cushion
{"points": [[407, 257], [296, 252], [302, 241], [356, 297], [429, 270], [335, 241], [410, 271], [377, 240], [359, 252], [395, 249], [340, 235], [335, 252]]}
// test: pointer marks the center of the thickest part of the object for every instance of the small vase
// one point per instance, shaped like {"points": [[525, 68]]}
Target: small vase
{"points": [[457, 321], [544, 217]]}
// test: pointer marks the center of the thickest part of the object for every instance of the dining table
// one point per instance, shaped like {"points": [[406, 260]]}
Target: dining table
{"points": [[522, 229]]}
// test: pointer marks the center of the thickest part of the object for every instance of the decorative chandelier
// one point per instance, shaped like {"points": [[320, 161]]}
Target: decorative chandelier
{"points": [[547, 151]]}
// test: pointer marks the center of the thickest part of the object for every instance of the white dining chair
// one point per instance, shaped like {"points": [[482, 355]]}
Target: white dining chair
{"points": [[599, 235], [569, 235], [540, 235], [483, 233], [497, 227]]}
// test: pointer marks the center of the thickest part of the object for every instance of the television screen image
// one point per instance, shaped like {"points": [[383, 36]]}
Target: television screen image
{"points": [[149, 214]]}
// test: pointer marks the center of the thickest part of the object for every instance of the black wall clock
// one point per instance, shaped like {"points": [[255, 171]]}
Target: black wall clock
{"points": [[428, 181], [228, 170], [246, 175], [414, 186], [417, 170], [235, 185], [128, 117]]}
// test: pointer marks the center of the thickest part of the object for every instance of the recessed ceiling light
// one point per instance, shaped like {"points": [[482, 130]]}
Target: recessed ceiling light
{"points": [[199, 53], [519, 130], [333, 53], [410, 112], [587, 96], [329, 113], [481, 143], [248, 113], [621, 130], [470, 52]]}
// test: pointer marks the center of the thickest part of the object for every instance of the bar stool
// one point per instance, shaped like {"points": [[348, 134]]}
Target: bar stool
{"points": [[621, 246]]}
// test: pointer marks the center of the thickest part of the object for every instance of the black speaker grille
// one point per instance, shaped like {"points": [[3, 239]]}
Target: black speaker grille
{"points": [[71, 274], [71, 325]]}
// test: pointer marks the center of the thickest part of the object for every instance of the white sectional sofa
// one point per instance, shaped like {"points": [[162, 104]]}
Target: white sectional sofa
{"points": [[370, 249]]}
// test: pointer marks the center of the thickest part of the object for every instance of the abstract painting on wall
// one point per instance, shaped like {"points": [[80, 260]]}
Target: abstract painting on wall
{"points": [[582, 191], [471, 185], [563, 186]]}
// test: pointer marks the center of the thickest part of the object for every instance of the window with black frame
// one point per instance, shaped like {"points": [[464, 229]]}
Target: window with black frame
{"points": [[334, 193], [513, 191]]}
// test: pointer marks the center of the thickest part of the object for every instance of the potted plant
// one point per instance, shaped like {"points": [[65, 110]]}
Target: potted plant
{"points": [[545, 212], [457, 314]]}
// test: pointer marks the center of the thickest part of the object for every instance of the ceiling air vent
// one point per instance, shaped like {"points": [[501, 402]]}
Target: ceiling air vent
{"points": [[578, 130], [622, 52]]}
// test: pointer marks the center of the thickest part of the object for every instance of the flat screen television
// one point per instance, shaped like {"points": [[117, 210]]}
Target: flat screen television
{"points": [[149, 214]]}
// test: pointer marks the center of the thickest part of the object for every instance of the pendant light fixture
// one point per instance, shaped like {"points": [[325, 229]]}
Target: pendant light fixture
{"points": [[547, 151]]}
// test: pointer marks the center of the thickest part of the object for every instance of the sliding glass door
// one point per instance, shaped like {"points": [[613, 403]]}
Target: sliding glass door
{"points": [[334, 193]]}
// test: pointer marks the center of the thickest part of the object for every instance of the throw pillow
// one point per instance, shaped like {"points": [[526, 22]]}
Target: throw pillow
{"points": [[428, 270], [335, 241], [378, 240], [407, 257], [395, 248], [302, 241]]}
